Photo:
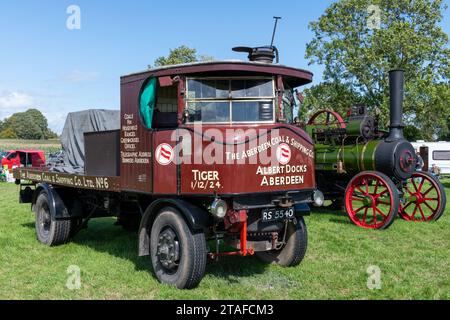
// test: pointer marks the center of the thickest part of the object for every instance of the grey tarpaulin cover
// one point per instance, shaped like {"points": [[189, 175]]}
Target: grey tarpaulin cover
{"points": [[72, 137]]}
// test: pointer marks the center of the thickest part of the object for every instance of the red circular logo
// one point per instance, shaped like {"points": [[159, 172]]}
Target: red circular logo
{"points": [[164, 154], [283, 153]]}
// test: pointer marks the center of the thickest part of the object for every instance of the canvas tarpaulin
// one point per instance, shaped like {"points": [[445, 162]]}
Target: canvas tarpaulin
{"points": [[72, 138]]}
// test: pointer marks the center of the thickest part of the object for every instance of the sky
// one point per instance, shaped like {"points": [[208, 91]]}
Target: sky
{"points": [[45, 65]]}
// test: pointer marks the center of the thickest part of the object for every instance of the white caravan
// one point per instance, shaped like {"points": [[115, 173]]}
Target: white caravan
{"points": [[434, 152]]}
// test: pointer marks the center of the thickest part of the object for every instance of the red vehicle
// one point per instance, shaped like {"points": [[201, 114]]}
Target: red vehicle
{"points": [[205, 152], [24, 158]]}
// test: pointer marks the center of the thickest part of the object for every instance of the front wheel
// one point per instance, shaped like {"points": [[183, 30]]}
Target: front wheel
{"points": [[178, 254], [293, 252], [372, 200]]}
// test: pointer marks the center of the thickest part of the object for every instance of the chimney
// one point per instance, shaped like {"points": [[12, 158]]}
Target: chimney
{"points": [[264, 54], [396, 81]]}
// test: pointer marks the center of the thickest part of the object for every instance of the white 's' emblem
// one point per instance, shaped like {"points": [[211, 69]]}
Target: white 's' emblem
{"points": [[283, 153], [164, 154]]}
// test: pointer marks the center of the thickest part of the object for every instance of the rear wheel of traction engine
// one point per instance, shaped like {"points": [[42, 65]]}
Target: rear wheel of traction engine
{"points": [[49, 231], [425, 198], [372, 200], [178, 254], [293, 252]]}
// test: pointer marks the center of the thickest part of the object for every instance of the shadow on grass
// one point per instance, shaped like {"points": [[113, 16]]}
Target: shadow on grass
{"points": [[103, 236], [446, 184], [334, 215]]}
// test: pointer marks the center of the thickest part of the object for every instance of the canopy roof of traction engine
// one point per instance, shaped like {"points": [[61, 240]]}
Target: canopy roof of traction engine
{"points": [[229, 68]]}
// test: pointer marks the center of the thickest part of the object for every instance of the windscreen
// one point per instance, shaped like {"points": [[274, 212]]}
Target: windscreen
{"points": [[230, 100]]}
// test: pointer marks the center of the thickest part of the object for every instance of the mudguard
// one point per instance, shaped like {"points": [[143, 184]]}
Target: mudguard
{"points": [[196, 218], [58, 209]]}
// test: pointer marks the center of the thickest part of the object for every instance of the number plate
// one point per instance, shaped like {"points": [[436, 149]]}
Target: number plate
{"points": [[277, 214]]}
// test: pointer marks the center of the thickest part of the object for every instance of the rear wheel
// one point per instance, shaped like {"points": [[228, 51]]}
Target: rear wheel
{"points": [[293, 252], [425, 198], [372, 200], [178, 254], [49, 231]]}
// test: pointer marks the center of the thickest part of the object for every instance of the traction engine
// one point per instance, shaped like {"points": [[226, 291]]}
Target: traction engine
{"points": [[372, 172]]}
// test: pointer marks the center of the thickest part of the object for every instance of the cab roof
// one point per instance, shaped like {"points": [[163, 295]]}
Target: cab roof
{"points": [[293, 77]]}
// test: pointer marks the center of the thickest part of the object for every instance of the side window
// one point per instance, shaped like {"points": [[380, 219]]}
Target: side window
{"points": [[441, 155], [158, 105], [12, 156], [23, 158]]}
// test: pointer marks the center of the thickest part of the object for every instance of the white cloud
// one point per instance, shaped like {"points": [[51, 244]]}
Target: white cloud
{"points": [[81, 76], [15, 100]]}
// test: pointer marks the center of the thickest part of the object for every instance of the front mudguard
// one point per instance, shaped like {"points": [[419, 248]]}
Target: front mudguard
{"points": [[196, 218]]}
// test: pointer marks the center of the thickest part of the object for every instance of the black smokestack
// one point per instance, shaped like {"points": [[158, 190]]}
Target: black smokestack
{"points": [[396, 81]]}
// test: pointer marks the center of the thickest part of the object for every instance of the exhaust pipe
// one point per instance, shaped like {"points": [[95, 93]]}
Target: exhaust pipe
{"points": [[396, 83]]}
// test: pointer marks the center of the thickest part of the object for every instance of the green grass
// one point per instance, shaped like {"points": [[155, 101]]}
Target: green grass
{"points": [[414, 259], [48, 146]]}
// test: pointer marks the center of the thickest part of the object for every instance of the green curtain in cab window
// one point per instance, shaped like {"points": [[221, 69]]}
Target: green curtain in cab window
{"points": [[148, 101]]}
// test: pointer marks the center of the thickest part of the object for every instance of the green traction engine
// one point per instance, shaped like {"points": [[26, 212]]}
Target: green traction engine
{"points": [[372, 172]]}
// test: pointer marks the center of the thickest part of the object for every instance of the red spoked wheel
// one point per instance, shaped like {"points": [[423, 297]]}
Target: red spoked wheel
{"points": [[372, 200], [327, 118], [424, 198]]}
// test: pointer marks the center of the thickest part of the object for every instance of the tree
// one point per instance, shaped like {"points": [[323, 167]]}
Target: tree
{"points": [[24, 126], [30, 124], [358, 54], [8, 133], [328, 95], [182, 54], [39, 119]]}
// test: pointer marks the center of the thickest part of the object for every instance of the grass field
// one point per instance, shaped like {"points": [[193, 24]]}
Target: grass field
{"points": [[413, 258], [48, 146]]}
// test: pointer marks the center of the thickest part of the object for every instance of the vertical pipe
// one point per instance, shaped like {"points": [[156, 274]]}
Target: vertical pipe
{"points": [[244, 237], [396, 92]]}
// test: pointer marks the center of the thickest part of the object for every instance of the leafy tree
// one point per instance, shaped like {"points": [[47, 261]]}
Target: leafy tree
{"points": [[359, 57], [182, 54], [39, 119], [412, 133], [30, 124], [8, 133], [328, 95], [25, 127]]}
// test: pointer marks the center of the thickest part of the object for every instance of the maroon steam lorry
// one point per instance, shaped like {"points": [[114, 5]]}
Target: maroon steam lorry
{"points": [[203, 152]]}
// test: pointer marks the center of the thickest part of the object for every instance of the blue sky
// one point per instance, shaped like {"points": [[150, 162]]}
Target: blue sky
{"points": [[45, 65]]}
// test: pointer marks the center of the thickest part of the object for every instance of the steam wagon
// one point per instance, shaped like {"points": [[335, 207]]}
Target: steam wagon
{"points": [[204, 154], [371, 170]]}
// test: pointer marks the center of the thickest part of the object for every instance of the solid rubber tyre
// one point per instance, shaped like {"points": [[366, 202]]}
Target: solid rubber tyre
{"points": [[192, 250], [49, 231], [294, 250]]}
